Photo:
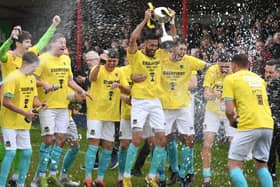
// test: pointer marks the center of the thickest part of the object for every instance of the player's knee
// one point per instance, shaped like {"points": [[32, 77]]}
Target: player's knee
{"points": [[48, 139], [161, 139], [137, 141], [60, 140], [107, 145], [124, 145]]}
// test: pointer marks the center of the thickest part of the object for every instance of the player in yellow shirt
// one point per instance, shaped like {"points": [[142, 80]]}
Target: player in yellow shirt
{"points": [[214, 115], [11, 60], [125, 127], [19, 97], [247, 109], [54, 76], [107, 83], [146, 105], [176, 72]]}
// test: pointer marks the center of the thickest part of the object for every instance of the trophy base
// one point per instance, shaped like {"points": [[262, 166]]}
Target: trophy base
{"points": [[167, 42]]}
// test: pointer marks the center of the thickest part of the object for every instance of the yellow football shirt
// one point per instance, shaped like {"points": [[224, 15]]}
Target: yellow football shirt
{"points": [[22, 92], [214, 80], [125, 108], [105, 105], [14, 63], [149, 66], [248, 92], [55, 71], [174, 80]]}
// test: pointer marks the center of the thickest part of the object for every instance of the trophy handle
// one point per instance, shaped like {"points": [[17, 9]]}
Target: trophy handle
{"points": [[149, 23]]}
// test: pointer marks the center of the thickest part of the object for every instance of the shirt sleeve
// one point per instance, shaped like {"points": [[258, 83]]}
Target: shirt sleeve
{"points": [[70, 73], [123, 80], [208, 79], [44, 40], [196, 64], [228, 93], [4, 49], [9, 89], [40, 68], [132, 57]]}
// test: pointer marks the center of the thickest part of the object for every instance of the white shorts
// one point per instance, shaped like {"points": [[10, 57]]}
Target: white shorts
{"points": [[255, 141], [181, 120], [54, 121], [125, 130], [16, 139], [104, 130], [213, 122], [147, 110], [72, 132]]}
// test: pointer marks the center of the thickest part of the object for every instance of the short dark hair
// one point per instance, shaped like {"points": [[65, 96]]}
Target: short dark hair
{"points": [[150, 34], [241, 60], [30, 57], [180, 41], [113, 53], [273, 62], [25, 35], [56, 37]]}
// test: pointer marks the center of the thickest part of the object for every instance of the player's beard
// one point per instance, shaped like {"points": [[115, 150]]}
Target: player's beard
{"points": [[150, 52]]}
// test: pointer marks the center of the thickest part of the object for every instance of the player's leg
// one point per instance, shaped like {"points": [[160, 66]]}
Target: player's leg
{"points": [[107, 136], [172, 152], [241, 145], [186, 129], [210, 128], [94, 128], [261, 155], [72, 139], [156, 121], [47, 123], [61, 124], [24, 144], [125, 139], [9, 137], [138, 119]]}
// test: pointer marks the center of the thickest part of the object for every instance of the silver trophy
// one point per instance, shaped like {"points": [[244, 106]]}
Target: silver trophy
{"points": [[162, 15]]}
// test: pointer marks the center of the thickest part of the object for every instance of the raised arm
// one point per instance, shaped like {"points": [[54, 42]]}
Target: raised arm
{"points": [[172, 26], [44, 40], [7, 44], [132, 48]]}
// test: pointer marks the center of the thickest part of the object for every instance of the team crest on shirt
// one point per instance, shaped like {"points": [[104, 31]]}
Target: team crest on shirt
{"points": [[181, 66], [92, 132], [31, 81], [8, 144], [64, 63], [116, 74], [134, 121], [46, 129]]}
